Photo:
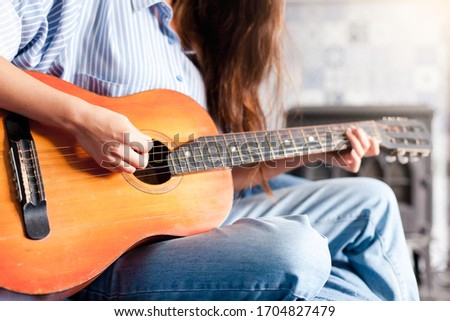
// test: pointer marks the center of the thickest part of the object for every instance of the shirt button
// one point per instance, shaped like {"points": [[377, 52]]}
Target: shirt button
{"points": [[179, 78], [171, 41]]}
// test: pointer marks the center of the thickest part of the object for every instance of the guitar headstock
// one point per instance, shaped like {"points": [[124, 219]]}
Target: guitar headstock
{"points": [[405, 140]]}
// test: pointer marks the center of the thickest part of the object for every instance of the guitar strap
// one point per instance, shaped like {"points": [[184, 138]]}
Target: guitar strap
{"points": [[27, 177]]}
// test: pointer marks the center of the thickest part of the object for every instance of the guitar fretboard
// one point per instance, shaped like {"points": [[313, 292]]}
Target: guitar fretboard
{"points": [[231, 150]]}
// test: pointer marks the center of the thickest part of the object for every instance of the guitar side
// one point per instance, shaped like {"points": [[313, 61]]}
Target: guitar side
{"points": [[95, 215]]}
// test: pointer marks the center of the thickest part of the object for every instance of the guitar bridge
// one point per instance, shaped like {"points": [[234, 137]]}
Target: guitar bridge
{"points": [[27, 177]]}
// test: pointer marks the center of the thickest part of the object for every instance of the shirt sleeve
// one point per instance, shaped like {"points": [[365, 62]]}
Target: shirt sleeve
{"points": [[10, 30]]}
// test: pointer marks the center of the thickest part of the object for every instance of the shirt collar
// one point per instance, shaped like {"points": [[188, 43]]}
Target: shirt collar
{"points": [[138, 5]]}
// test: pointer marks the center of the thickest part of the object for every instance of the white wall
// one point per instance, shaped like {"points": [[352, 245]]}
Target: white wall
{"points": [[377, 53]]}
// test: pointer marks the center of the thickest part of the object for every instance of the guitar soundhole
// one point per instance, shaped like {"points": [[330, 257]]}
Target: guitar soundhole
{"points": [[157, 171]]}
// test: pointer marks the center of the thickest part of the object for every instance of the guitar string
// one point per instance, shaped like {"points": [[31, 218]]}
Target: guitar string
{"points": [[43, 151], [182, 157], [281, 156], [278, 133], [292, 151], [100, 175], [337, 130]]}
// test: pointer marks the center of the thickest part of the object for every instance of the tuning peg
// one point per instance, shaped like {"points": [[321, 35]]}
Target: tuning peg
{"points": [[413, 157], [390, 158], [403, 159]]}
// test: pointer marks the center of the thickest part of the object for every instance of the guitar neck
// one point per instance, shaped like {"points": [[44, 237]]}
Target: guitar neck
{"points": [[231, 150]]}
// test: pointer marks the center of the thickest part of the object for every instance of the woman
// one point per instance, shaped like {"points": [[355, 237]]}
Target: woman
{"points": [[266, 249]]}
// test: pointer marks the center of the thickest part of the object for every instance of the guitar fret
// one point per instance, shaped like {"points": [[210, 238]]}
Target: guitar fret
{"points": [[280, 139], [182, 161], [177, 163], [229, 148], [248, 159], [293, 142], [344, 137], [311, 138], [305, 141], [202, 157], [210, 163], [322, 137], [300, 140], [288, 142], [197, 156], [332, 144], [312, 141], [219, 152], [335, 138], [269, 144], [213, 156], [246, 149], [238, 149], [174, 166], [192, 156], [259, 147], [318, 138], [186, 156], [234, 151]]}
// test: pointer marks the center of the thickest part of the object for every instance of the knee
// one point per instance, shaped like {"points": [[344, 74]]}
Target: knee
{"points": [[374, 188], [374, 202], [380, 196], [374, 195], [297, 256]]}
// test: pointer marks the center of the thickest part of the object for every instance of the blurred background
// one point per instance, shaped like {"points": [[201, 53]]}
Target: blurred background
{"points": [[365, 59]]}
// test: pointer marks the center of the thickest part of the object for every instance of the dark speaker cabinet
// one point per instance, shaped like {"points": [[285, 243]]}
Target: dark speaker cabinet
{"points": [[411, 182]]}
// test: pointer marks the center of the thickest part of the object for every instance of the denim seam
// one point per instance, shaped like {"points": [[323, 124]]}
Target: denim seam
{"points": [[394, 267], [385, 253], [116, 296], [379, 236]]}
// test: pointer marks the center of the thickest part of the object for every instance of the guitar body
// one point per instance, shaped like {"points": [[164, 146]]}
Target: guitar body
{"points": [[95, 216]]}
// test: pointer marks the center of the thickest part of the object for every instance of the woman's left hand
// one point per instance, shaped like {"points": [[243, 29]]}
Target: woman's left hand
{"points": [[361, 144]]}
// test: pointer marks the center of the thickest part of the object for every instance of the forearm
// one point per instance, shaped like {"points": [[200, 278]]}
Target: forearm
{"points": [[22, 94], [92, 126]]}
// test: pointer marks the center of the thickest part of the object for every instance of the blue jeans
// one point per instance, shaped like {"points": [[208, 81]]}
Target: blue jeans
{"points": [[339, 239]]}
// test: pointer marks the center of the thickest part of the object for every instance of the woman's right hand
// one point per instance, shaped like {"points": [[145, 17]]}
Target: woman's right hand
{"points": [[111, 139], [107, 136]]}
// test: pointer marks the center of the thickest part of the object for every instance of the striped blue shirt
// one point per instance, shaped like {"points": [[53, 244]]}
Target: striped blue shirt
{"points": [[110, 47]]}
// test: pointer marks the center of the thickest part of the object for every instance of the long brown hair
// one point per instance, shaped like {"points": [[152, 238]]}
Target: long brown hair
{"points": [[237, 45]]}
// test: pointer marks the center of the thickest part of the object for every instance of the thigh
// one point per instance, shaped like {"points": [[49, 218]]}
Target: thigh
{"points": [[360, 218], [337, 208], [252, 259]]}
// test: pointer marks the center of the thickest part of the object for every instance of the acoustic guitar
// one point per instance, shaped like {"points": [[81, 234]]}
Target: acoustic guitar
{"points": [[64, 219]]}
